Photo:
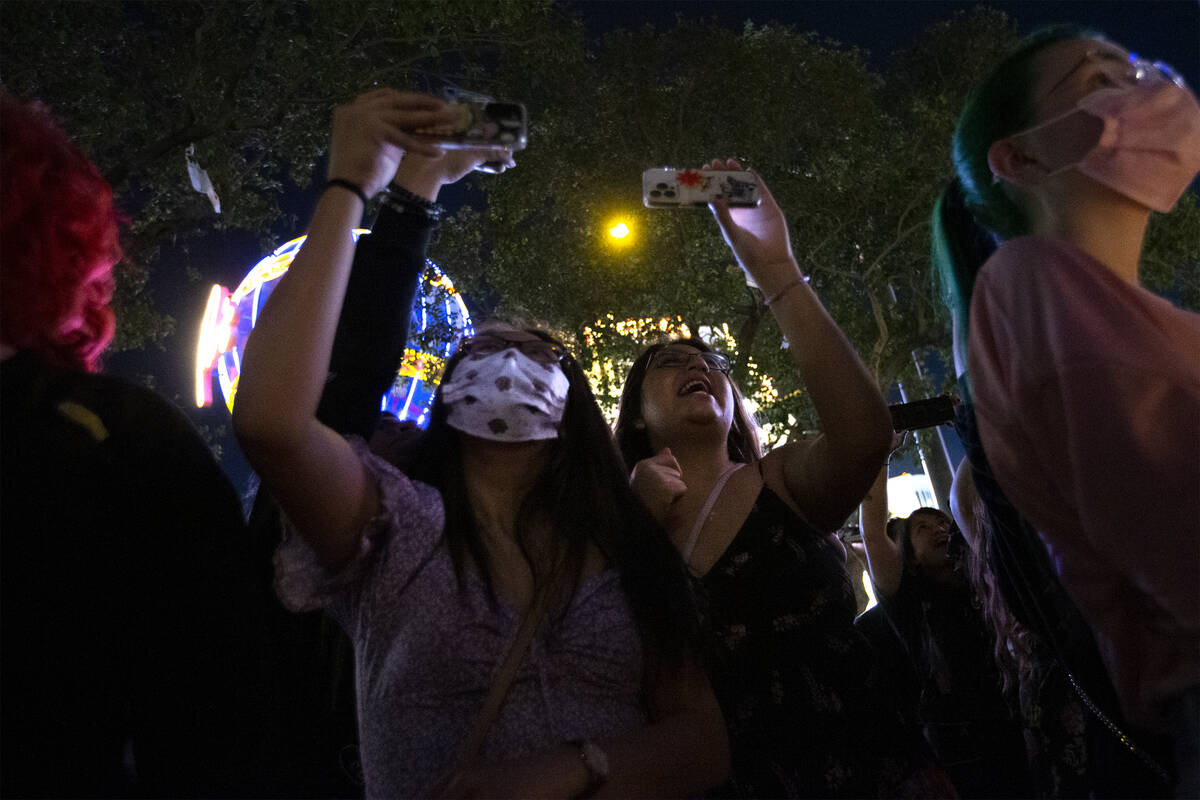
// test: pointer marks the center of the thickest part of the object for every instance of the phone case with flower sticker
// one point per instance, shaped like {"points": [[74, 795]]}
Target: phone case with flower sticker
{"points": [[677, 188]]}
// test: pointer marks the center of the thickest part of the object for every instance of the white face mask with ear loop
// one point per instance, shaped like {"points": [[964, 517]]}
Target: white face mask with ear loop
{"points": [[506, 397]]}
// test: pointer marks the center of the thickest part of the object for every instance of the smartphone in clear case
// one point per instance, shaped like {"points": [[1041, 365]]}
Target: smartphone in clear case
{"points": [[677, 188], [482, 124]]}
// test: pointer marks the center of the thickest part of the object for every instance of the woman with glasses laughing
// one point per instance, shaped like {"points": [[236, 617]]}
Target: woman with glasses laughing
{"points": [[521, 625], [794, 678]]}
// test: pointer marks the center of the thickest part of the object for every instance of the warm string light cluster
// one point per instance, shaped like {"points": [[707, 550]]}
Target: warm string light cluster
{"points": [[607, 375]]}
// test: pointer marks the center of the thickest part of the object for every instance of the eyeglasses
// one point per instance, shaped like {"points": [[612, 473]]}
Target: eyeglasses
{"points": [[539, 350], [1140, 69], [680, 359], [1131, 70]]}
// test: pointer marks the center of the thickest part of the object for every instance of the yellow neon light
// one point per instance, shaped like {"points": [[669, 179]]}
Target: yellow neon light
{"points": [[275, 265], [212, 340], [422, 366], [233, 386]]}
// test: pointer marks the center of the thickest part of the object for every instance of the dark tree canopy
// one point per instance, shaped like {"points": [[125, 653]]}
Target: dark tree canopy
{"points": [[248, 87], [855, 155]]}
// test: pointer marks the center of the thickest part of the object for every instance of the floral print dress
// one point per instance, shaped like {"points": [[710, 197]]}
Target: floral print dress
{"points": [[797, 683]]}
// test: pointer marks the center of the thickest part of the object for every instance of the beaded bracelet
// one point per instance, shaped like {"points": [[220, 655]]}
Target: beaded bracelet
{"points": [[402, 200], [348, 186]]}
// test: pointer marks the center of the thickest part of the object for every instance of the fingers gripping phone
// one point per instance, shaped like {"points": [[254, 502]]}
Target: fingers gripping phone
{"points": [[677, 188], [482, 124]]}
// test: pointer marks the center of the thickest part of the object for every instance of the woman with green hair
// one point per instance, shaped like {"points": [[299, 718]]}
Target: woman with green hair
{"points": [[1084, 388]]}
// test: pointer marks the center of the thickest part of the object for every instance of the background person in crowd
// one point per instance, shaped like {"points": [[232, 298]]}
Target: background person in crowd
{"points": [[1085, 387], [124, 573], [511, 504], [793, 676], [925, 593]]}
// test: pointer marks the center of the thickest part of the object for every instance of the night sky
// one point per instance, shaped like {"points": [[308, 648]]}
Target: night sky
{"points": [[1162, 30], [1167, 31]]}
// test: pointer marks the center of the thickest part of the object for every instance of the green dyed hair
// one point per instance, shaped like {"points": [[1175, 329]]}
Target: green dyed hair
{"points": [[975, 213]]}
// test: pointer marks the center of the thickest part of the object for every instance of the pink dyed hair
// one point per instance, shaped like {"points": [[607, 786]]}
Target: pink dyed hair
{"points": [[58, 241]]}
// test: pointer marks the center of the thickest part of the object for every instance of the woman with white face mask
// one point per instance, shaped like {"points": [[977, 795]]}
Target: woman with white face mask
{"points": [[521, 625], [1085, 387]]}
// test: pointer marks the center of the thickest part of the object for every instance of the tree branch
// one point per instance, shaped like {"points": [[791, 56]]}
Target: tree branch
{"points": [[882, 326], [460, 42], [900, 237], [812, 253], [904, 214], [177, 139], [746, 335]]}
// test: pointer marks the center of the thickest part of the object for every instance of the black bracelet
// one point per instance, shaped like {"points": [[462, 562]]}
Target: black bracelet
{"points": [[404, 201], [348, 186]]}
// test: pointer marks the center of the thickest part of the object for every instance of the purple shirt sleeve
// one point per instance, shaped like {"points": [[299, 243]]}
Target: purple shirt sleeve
{"points": [[399, 539]]}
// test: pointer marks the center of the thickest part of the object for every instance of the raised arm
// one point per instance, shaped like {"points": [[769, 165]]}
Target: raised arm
{"points": [[884, 559], [826, 476], [309, 468], [373, 328]]}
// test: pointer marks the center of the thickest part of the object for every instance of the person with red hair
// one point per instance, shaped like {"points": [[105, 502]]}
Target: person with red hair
{"points": [[123, 573], [58, 242]]}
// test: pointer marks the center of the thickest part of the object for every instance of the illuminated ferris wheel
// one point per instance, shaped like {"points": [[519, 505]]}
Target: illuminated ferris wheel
{"points": [[439, 320]]}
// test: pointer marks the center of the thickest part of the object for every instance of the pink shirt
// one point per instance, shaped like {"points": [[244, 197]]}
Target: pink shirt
{"points": [[1087, 393]]}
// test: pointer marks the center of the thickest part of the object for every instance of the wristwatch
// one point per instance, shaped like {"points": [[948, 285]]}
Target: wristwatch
{"points": [[596, 762]]}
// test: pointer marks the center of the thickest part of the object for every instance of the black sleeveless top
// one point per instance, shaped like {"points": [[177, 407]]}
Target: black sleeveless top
{"points": [[796, 681]]}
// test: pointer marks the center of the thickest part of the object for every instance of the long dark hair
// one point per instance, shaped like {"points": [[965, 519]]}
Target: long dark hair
{"points": [[583, 495], [634, 440], [1012, 643]]}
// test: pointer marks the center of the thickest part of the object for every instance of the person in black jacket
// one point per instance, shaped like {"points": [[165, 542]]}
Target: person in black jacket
{"points": [[127, 664]]}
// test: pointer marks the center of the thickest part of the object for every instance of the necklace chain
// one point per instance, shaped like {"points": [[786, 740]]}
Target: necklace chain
{"points": [[1141, 754]]}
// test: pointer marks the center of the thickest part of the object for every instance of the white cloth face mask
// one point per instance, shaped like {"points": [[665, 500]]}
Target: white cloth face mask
{"points": [[506, 397]]}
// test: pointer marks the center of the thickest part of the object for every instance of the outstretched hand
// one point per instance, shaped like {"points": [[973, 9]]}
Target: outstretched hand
{"points": [[371, 134], [758, 236], [658, 483], [425, 175]]}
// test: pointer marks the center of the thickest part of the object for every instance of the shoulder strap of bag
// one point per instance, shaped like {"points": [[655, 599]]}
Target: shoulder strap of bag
{"points": [[507, 671]]}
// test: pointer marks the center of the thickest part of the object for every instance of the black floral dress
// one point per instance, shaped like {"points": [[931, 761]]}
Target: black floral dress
{"points": [[797, 683]]}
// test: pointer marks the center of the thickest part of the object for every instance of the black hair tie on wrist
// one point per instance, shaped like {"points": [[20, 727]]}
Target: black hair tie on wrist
{"points": [[348, 186]]}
